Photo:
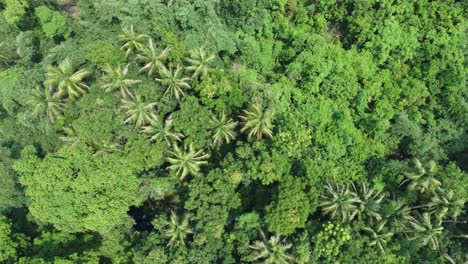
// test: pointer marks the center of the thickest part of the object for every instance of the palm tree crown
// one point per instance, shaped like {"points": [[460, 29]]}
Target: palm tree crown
{"points": [[443, 202], [199, 62], [115, 79], [424, 231], [186, 161], [177, 229], [43, 102], [67, 82], [137, 111], [370, 203], [222, 129], [273, 250], [132, 40], [378, 234], [160, 130], [257, 122], [174, 82], [420, 177], [340, 203], [152, 59]]}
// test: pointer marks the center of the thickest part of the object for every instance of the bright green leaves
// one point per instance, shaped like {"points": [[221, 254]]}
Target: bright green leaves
{"points": [[329, 241], [15, 10], [7, 245], [76, 191], [291, 208], [53, 23]]}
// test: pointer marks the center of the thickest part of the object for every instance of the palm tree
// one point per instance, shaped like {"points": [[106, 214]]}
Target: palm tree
{"points": [[44, 103], [177, 229], [186, 161], [132, 40], [257, 122], [152, 59], [222, 129], [137, 111], [370, 202], [378, 235], [424, 231], [67, 82], [443, 202], [174, 82], [70, 136], [199, 62], [272, 251], [340, 203], [399, 214], [115, 79], [104, 147], [420, 176], [162, 131]]}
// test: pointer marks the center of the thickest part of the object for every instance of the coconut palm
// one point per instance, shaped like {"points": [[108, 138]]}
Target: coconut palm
{"points": [[114, 79], [152, 59], [177, 229], [44, 103], [421, 177], [186, 161], [137, 111], [66, 81], [160, 130], [132, 40], [399, 214], [257, 122], [70, 136], [104, 147], [378, 234], [423, 230], [273, 250], [370, 203], [174, 82], [222, 129], [339, 203], [443, 202], [199, 62]]}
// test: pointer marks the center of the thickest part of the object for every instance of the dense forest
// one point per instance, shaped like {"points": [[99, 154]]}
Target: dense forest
{"points": [[233, 131]]}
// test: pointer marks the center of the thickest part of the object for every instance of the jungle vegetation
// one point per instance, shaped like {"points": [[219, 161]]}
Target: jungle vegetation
{"points": [[233, 131]]}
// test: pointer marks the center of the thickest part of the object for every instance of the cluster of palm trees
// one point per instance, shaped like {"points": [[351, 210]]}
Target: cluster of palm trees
{"points": [[62, 83], [346, 203]]}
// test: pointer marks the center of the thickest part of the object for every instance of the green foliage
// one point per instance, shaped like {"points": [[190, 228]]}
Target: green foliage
{"points": [[7, 245], [105, 187], [52, 22], [15, 10], [102, 53], [329, 241]]}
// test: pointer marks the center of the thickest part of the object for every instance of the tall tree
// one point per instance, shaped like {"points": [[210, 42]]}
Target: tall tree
{"points": [[174, 81], [153, 60], [199, 62], [66, 81], [339, 203], [421, 176], [177, 229], [425, 231], [370, 203], [44, 103], [160, 130], [115, 79], [444, 202], [222, 129], [378, 234], [132, 40], [138, 112], [186, 161], [273, 250], [257, 122]]}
